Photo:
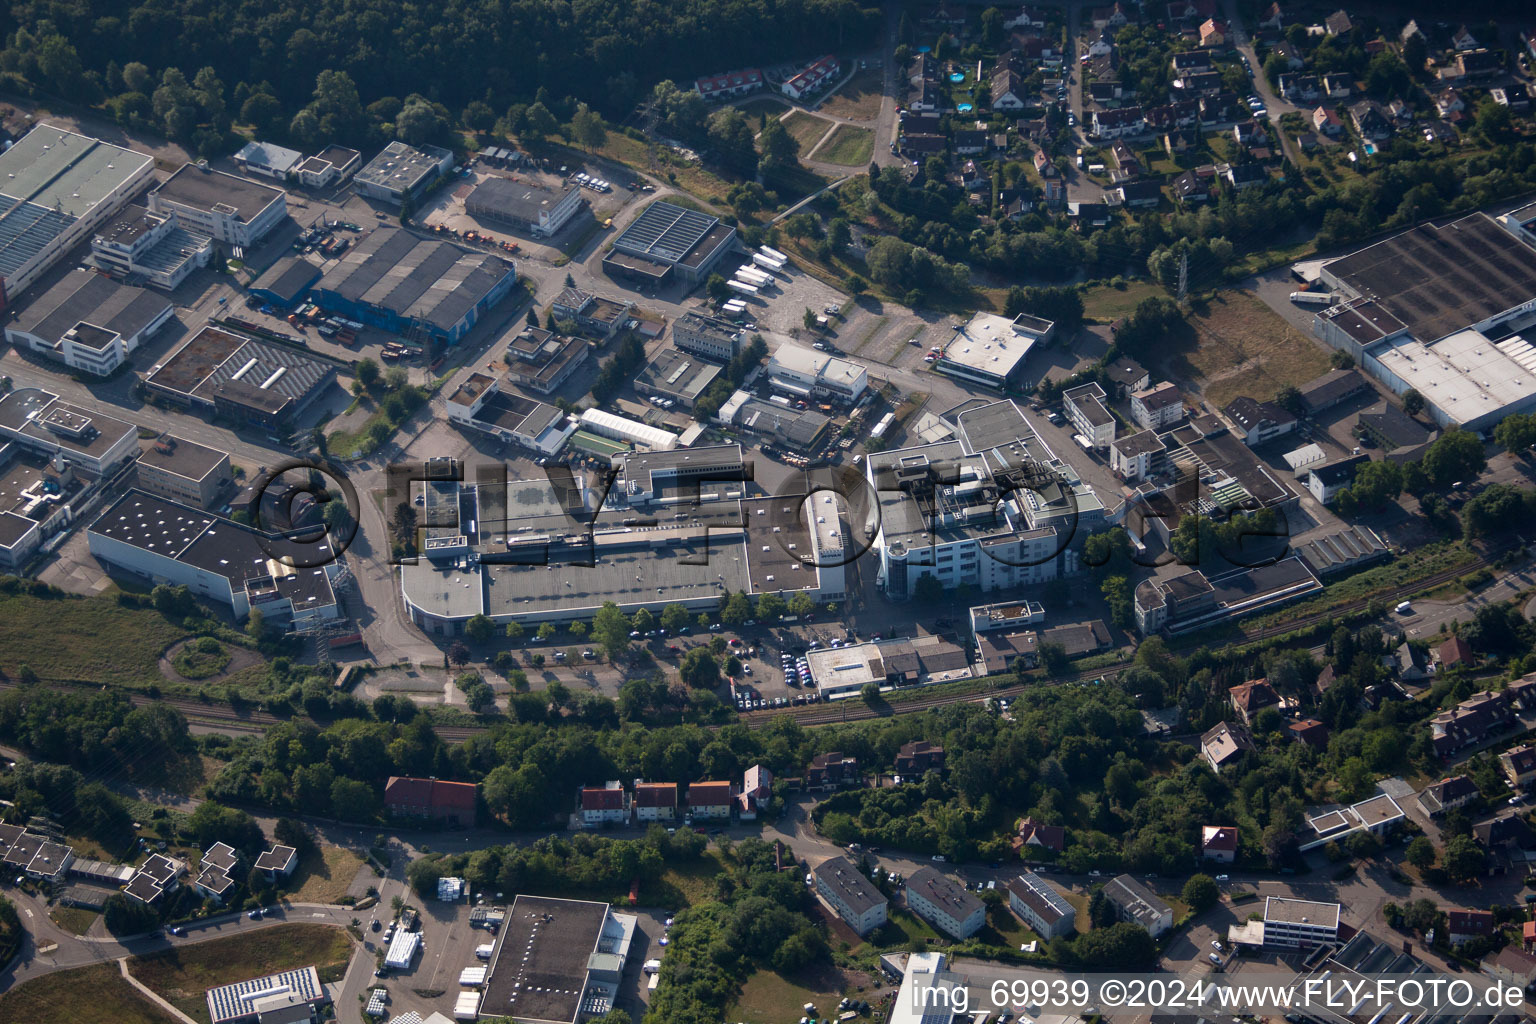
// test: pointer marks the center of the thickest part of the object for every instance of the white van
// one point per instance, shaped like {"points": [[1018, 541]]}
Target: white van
{"points": [[1406, 608]]}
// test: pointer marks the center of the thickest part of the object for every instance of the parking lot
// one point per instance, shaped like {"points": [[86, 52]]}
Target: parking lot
{"points": [[447, 947]]}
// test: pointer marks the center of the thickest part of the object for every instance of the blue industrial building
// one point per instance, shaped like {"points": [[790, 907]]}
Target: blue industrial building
{"points": [[398, 282]]}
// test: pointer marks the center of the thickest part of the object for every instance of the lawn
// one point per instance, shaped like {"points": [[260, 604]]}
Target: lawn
{"points": [[75, 920], [108, 643], [642, 156], [770, 105], [1108, 303], [769, 998], [1003, 929], [859, 100], [1242, 347], [90, 995], [807, 129], [182, 976], [849, 146], [905, 930], [683, 885], [323, 875]]}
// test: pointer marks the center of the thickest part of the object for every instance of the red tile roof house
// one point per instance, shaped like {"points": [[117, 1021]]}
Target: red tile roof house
{"points": [[1218, 843], [655, 801], [1249, 698], [711, 799], [452, 803], [1309, 731], [1455, 653], [1046, 837], [756, 789], [604, 805], [1463, 925]]}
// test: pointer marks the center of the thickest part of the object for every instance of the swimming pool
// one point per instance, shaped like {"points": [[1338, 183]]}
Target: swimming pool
{"points": [[957, 76], [964, 108]]}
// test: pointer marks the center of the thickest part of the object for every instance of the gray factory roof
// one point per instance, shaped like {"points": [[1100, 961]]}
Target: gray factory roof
{"points": [[96, 300], [228, 1002], [214, 361], [540, 970], [412, 277], [40, 414], [182, 457], [401, 168], [674, 372], [1439, 279], [288, 278], [211, 191], [665, 232], [48, 180], [520, 200]]}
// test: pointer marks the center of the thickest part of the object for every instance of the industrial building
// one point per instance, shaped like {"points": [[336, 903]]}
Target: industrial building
{"points": [[708, 336], [332, 165], [666, 239], [842, 671], [622, 428], [151, 248], [808, 374], [541, 360], [286, 282], [163, 541], [990, 350], [184, 471], [800, 430], [478, 403], [402, 172], [557, 961], [38, 422], [234, 210], [57, 189], [994, 508], [851, 894], [398, 282], [249, 1002], [1188, 601], [1446, 310], [677, 376], [592, 314], [268, 159], [89, 322], [523, 206], [257, 382], [944, 903]]}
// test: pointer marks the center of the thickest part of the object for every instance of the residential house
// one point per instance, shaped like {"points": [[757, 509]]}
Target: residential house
{"points": [[1104, 45], [1104, 90], [1180, 141], [1338, 85], [1127, 376], [1213, 33], [1044, 165], [1026, 17], [1189, 187], [1218, 843], [832, 770], [1140, 193], [1257, 422], [1300, 88], [1114, 16], [1370, 121], [1249, 698], [1448, 101], [817, 75], [1033, 834], [449, 803], [1014, 203], [756, 791], [1478, 64], [1515, 966], [1287, 53], [1271, 18], [1040, 906], [1325, 482], [711, 799], [919, 756], [1528, 39], [1157, 408], [1446, 795], [216, 875], [1455, 653], [923, 145], [1125, 159], [1338, 24], [158, 874], [1309, 731], [1115, 124], [1085, 409], [1249, 133], [1409, 31], [1008, 92], [1218, 107], [1200, 83], [1136, 904], [277, 862], [1465, 925], [1519, 764], [1088, 215], [1407, 663], [1503, 831], [969, 142], [604, 805], [654, 801], [944, 903], [1514, 95], [1463, 40], [1326, 120], [1191, 10], [1191, 60], [1131, 457], [1474, 720], [1308, 141], [1223, 744]]}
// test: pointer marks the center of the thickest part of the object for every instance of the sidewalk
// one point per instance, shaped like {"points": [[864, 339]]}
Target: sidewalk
{"points": [[122, 965]]}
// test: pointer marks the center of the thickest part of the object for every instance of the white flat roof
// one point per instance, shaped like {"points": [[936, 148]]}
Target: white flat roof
{"points": [[1464, 375], [989, 343]]}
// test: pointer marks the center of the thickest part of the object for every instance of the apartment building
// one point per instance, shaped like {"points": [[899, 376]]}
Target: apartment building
{"points": [[851, 894], [1041, 907], [944, 903]]}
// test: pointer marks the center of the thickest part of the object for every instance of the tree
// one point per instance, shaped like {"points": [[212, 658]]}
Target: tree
{"points": [[730, 137], [870, 692], [538, 124], [801, 604], [1201, 893], [699, 669], [335, 514], [367, 373], [418, 121], [256, 625], [927, 590], [1516, 432], [124, 915], [1455, 456], [610, 630], [136, 77], [480, 629], [1495, 121], [458, 653], [736, 609], [515, 631], [1463, 859], [674, 617], [1413, 402], [809, 319], [478, 117], [644, 621], [1420, 853], [779, 148], [1119, 947], [337, 109], [1053, 657], [588, 128], [1415, 53], [770, 607]]}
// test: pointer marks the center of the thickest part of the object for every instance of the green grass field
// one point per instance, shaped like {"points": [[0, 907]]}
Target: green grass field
{"points": [[849, 147], [89, 995], [807, 129], [770, 998], [1107, 303], [183, 976], [107, 643]]}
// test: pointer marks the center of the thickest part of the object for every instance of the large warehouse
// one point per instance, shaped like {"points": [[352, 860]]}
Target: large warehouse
{"points": [[259, 382], [667, 239], [89, 322], [56, 189], [523, 206], [164, 541], [397, 281], [1446, 310], [558, 961]]}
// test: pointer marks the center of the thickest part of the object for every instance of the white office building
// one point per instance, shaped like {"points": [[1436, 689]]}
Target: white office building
{"points": [[808, 374], [234, 210], [1299, 924], [1085, 408]]}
